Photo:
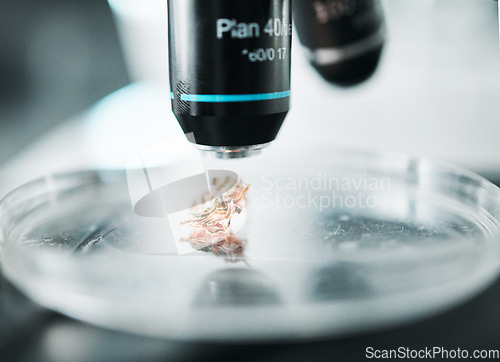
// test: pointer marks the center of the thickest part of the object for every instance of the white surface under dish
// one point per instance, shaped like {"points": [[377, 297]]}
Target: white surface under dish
{"points": [[335, 243]]}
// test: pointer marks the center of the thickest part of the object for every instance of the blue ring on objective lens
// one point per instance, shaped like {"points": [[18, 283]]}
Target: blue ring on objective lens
{"points": [[223, 98]]}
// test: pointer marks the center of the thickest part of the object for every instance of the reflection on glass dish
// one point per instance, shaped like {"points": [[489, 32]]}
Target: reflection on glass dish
{"points": [[335, 242]]}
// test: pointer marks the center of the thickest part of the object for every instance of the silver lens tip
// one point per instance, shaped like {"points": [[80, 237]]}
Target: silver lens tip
{"points": [[226, 152]]}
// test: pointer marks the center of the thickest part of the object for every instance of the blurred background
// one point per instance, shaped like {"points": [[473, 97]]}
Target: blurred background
{"points": [[435, 94], [57, 58]]}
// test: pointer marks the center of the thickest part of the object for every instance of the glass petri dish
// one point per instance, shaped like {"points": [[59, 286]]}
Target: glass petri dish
{"points": [[335, 242]]}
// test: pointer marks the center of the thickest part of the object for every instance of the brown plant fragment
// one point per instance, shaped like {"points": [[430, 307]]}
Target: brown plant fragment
{"points": [[208, 225]]}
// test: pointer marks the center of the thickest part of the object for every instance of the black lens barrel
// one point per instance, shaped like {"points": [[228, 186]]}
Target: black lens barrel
{"points": [[343, 38], [230, 69]]}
